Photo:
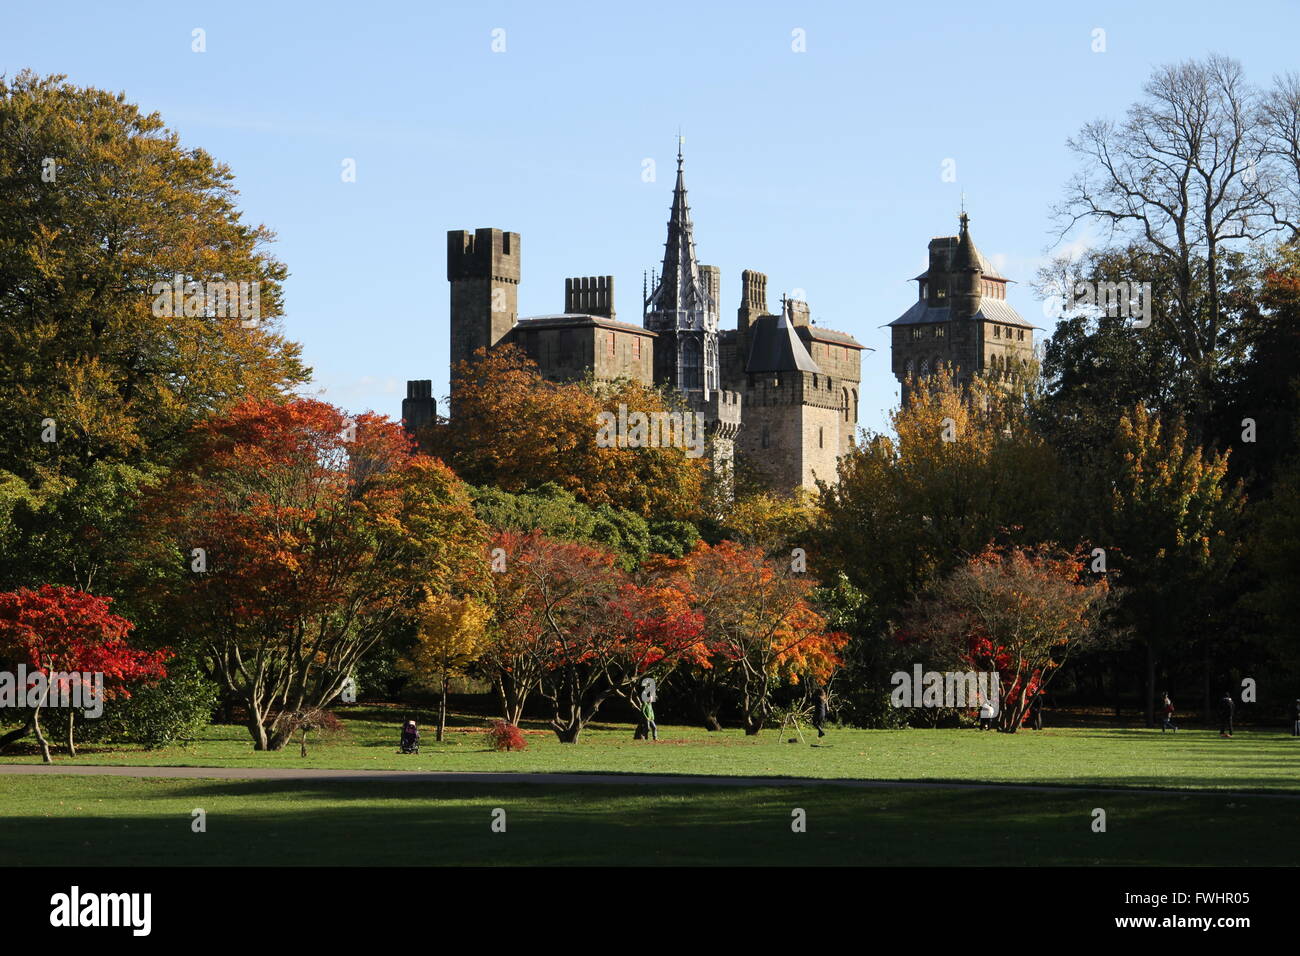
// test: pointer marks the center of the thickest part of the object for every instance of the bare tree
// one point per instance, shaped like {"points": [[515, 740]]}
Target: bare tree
{"points": [[1180, 172], [1278, 138]]}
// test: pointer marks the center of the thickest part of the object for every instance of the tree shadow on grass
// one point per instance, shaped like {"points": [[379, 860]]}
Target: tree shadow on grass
{"points": [[363, 823]]}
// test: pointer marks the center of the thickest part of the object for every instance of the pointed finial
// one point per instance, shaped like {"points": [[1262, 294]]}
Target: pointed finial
{"points": [[681, 141]]}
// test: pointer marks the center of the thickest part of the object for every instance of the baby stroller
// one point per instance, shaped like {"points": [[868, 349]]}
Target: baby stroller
{"points": [[410, 739]]}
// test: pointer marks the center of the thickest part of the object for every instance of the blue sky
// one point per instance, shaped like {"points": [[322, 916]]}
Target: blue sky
{"points": [[821, 168]]}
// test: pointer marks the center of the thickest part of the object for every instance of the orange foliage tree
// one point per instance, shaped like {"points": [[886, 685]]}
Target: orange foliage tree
{"points": [[1019, 611], [759, 624], [513, 429], [319, 534], [568, 622]]}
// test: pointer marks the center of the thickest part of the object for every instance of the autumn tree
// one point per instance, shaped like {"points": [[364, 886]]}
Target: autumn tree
{"points": [[450, 635], [1167, 520], [963, 464], [570, 624], [515, 430], [308, 536], [99, 204], [65, 634], [760, 626], [1015, 611]]}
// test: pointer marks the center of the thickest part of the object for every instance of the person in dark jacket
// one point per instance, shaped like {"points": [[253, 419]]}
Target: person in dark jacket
{"points": [[821, 704], [1167, 709], [1036, 711], [1226, 707], [1295, 727]]}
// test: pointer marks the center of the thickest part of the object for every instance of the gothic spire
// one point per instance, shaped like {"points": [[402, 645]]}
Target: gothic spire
{"points": [[679, 289]]}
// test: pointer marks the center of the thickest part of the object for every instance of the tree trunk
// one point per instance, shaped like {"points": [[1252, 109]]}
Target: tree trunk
{"points": [[567, 732], [40, 736], [442, 710], [14, 736], [1207, 703], [511, 700], [1150, 709], [72, 719], [258, 731]]}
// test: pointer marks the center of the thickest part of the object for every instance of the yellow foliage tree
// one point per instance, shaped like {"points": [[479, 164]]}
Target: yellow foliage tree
{"points": [[451, 635]]}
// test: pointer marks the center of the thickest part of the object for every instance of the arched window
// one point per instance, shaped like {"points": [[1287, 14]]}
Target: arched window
{"points": [[844, 403], [925, 368], [907, 367], [690, 364]]}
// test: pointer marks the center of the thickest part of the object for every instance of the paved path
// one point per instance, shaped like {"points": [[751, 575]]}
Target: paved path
{"points": [[616, 779]]}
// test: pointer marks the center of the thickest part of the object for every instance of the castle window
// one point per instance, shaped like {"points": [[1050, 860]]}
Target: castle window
{"points": [[612, 337], [844, 399], [925, 367], [1020, 335], [938, 331], [690, 367], [997, 331], [636, 346], [940, 293], [821, 437], [922, 288], [916, 333]]}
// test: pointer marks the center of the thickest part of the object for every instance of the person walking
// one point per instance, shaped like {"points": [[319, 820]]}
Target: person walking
{"points": [[1226, 707], [1036, 711], [821, 705], [1167, 709], [648, 714], [987, 712], [1295, 727]]}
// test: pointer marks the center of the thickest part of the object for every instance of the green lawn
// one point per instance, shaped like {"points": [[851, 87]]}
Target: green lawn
{"points": [[121, 821], [1262, 760]]}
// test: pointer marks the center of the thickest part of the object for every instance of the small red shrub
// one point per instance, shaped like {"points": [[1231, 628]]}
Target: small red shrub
{"points": [[503, 736]]}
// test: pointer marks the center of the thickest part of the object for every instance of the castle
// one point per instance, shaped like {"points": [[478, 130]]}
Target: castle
{"points": [[961, 318], [778, 391]]}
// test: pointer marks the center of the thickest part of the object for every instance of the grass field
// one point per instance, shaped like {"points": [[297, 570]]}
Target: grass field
{"points": [[94, 821], [1259, 760], [112, 820]]}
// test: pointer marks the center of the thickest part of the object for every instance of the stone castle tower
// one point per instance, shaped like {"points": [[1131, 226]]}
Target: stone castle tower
{"points": [[682, 309], [778, 389], [961, 318]]}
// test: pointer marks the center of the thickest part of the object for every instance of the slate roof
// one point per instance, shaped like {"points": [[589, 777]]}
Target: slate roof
{"points": [[577, 320], [990, 310], [775, 347], [829, 335]]}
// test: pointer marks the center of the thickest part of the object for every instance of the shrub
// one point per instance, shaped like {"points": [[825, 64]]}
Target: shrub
{"points": [[504, 736], [176, 709]]}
